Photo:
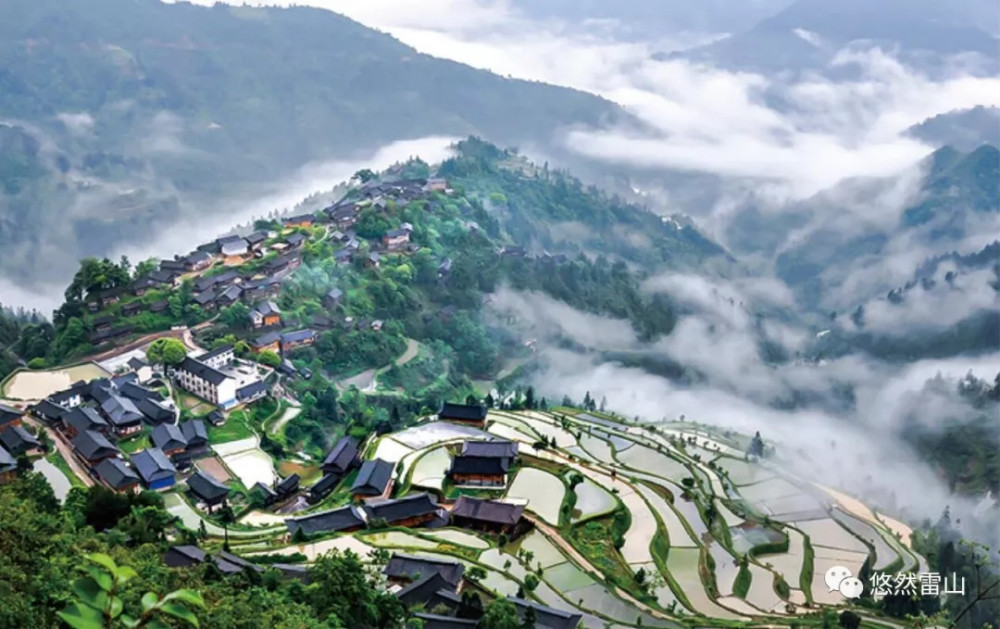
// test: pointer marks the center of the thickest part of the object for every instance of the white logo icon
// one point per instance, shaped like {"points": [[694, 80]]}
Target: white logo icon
{"points": [[851, 587], [834, 576], [839, 579]]}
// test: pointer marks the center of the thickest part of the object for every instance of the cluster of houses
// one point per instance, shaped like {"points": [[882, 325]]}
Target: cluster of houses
{"points": [[420, 583], [15, 441], [218, 377]]}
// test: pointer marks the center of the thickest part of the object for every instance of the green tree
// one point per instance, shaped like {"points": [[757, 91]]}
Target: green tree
{"points": [[500, 614], [364, 175], [269, 358], [166, 351], [99, 600], [236, 316], [341, 587]]}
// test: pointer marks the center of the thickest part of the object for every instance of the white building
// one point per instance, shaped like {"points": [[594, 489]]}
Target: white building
{"points": [[206, 382]]}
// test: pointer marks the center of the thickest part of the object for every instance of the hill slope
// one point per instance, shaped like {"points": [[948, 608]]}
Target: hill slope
{"points": [[142, 106]]}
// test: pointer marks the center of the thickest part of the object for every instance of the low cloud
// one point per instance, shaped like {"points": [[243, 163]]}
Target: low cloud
{"points": [[79, 123]]}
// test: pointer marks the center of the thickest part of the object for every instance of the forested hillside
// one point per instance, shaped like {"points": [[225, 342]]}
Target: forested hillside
{"points": [[118, 113]]}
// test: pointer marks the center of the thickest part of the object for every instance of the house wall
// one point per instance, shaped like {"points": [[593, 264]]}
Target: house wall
{"points": [[162, 483], [479, 479]]}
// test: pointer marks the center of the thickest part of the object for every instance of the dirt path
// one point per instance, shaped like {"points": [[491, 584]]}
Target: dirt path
{"points": [[412, 349], [362, 381]]}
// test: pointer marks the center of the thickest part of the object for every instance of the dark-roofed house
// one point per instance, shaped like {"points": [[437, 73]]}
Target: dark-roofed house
{"points": [[374, 478], [154, 468], [413, 510], [207, 489], [268, 494], [169, 439], [546, 617], [131, 308], [395, 239], [141, 367], [136, 392], [298, 338], [9, 416], [332, 298], [216, 418], [197, 261], [405, 569], [252, 392], [302, 220], [288, 486], [184, 556], [8, 466], [83, 418], [156, 412], [18, 441], [322, 488], [499, 448], [296, 239], [196, 435], [269, 341], [342, 458], [229, 563], [116, 474], [344, 519], [465, 413], [229, 296], [48, 411], [437, 621], [93, 447], [265, 314], [480, 471], [422, 591], [490, 515], [256, 240], [122, 414]]}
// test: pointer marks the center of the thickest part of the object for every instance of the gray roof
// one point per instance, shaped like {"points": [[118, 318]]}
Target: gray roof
{"points": [[326, 521], [266, 308], [194, 430], [16, 439], [251, 390], [207, 487], [7, 462], [411, 506], [234, 247], [266, 339], [203, 371], [168, 437], [487, 510], [9, 414], [547, 617], [215, 353], [91, 444], [152, 465], [121, 410], [373, 477], [84, 418], [116, 473], [500, 448], [342, 455], [297, 336], [413, 568]]}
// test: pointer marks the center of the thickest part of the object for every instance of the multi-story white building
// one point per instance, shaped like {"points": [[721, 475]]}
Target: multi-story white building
{"points": [[207, 382]]}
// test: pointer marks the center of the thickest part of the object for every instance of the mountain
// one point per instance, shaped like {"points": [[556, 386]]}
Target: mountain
{"points": [[649, 20], [807, 34], [121, 116], [964, 130]]}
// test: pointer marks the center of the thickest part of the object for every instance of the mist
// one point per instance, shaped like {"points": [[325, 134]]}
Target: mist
{"points": [[240, 208]]}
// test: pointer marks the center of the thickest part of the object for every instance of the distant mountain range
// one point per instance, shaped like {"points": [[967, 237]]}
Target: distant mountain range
{"points": [[808, 33], [963, 130], [117, 112]]}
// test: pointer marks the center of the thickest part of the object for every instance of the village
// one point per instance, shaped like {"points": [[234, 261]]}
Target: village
{"points": [[578, 518]]}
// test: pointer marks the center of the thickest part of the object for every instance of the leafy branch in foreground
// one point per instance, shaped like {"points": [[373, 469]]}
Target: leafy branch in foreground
{"points": [[99, 605]]}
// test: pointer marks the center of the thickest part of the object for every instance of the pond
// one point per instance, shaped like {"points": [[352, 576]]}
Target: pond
{"points": [[252, 467], [459, 538], [761, 594], [36, 385], [389, 449], [429, 470], [884, 553], [57, 480], [435, 432], [641, 531], [543, 492], [591, 500]]}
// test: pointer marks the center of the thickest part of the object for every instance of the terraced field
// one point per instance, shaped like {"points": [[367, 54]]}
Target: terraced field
{"points": [[675, 503]]}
